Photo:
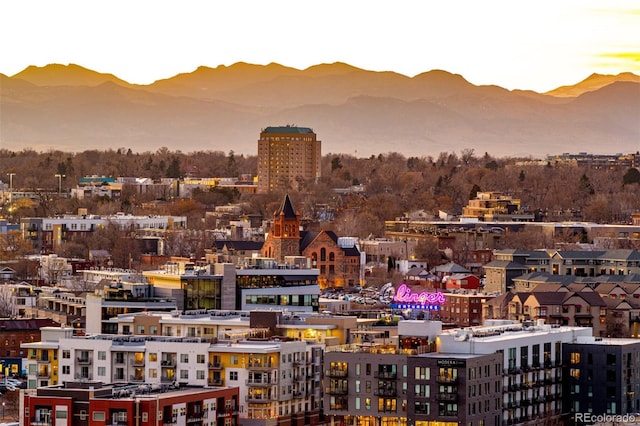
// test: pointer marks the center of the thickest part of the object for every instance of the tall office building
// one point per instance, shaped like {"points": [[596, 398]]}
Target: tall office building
{"points": [[285, 155]]}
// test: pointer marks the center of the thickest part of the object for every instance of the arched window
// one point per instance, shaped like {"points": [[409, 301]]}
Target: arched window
{"points": [[332, 257], [323, 254]]}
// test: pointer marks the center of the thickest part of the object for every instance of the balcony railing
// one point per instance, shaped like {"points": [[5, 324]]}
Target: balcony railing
{"points": [[215, 382], [385, 392], [336, 391], [443, 396], [262, 399], [385, 374], [447, 379], [259, 383], [336, 373], [83, 360], [215, 365], [261, 366], [168, 363]]}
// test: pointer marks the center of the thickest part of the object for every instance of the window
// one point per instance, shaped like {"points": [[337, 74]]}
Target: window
{"points": [[184, 374], [422, 373], [153, 329], [233, 359], [575, 358], [102, 355], [233, 375], [102, 371], [184, 357], [66, 369], [98, 416], [367, 403], [140, 329], [422, 391], [153, 373], [200, 374], [66, 354], [200, 358], [153, 357]]}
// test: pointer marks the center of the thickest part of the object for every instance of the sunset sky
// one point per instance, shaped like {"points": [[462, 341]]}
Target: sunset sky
{"points": [[523, 44]]}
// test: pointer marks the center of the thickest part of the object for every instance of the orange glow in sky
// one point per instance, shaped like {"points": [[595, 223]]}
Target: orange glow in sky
{"points": [[523, 44]]}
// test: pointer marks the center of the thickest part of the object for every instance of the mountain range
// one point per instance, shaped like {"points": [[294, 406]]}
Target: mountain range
{"points": [[352, 110]]}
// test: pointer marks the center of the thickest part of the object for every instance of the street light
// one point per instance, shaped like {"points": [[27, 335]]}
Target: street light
{"points": [[59, 176], [3, 404]]}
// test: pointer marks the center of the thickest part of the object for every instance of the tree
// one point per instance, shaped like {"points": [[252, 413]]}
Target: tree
{"points": [[427, 249], [6, 301], [335, 164], [631, 176]]}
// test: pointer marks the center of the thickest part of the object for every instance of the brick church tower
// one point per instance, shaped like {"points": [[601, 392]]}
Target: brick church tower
{"points": [[284, 237]]}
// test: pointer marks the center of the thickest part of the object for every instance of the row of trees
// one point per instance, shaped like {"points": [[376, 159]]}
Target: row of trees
{"points": [[395, 185]]}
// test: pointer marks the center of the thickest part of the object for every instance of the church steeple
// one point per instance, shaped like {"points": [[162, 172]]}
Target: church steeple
{"points": [[284, 238]]}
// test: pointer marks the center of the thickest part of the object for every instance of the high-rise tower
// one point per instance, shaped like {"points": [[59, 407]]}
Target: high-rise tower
{"points": [[285, 155]]}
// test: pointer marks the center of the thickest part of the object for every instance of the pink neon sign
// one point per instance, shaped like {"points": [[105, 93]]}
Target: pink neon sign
{"points": [[405, 295]]}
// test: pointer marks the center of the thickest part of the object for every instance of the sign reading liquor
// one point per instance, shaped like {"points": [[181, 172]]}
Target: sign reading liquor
{"points": [[407, 299]]}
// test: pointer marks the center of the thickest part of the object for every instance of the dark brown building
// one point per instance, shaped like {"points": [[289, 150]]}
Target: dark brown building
{"points": [[455, 389], [14, 332]]}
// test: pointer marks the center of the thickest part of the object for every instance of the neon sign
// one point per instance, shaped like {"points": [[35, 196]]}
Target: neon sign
{"points": [[405, 298]]}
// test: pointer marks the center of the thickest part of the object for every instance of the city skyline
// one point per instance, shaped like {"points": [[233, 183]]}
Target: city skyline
{"points": [[524, 45]]}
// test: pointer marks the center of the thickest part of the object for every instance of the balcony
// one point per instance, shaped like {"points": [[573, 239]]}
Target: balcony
{"points": [[215, 366], [300, 362], [259, 399], [447, 379], [168, 363], [443, 396], [259, 383], [81, 376], [335, 373], [261, 366], [385, 392], [216, 382], [84, 361], [137, 362], [195, 418], [299, 394], [336, 391], [385, 374], [136, 378], [43, 374]]}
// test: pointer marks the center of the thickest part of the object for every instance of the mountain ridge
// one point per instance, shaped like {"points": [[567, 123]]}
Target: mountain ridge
{"points": [[351, 109]]}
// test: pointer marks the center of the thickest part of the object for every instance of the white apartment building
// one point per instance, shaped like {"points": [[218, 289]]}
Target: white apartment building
{"points": [[276, 378], [532, 356]]}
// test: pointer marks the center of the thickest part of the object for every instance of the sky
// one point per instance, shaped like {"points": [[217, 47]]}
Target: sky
{"points": [[516, 44]]}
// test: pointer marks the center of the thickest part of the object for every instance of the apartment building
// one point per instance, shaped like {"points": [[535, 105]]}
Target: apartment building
{"points": [[453, 389], [278, 380], [602, 376], [97, 403], [532, 378], [48, 233], [367, 383], [286, 154]]}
